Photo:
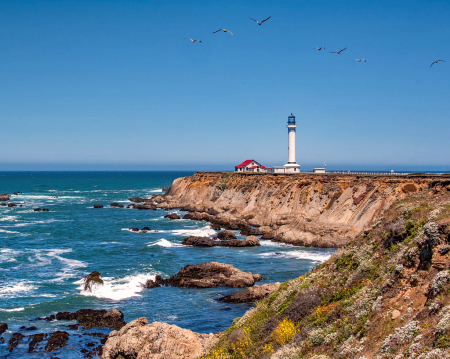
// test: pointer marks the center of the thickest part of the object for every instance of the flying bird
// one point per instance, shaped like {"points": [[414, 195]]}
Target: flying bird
{"points": [[224, 30], [320, 48], [260, 23], [359, 60], [337, 52], [193, 40], [435, 62]]}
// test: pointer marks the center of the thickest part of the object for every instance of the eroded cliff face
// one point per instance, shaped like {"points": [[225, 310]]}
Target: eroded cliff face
{"points": [[310, 210]]}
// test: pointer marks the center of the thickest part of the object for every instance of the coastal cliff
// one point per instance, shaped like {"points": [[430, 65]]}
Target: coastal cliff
{"points": [[308, 210], [384, 295]]}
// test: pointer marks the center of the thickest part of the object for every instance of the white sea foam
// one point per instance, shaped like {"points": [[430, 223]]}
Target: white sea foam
{"points": [[299, 254], [7, 254], [10, 290], [8, 219], [165, 243], [117, 288], [32, 197], [41, 222], [268, 243], [206, 231], [13, 310], [6, 231]]}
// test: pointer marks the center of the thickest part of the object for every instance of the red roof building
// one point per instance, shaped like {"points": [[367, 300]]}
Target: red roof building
{"points": [[250, 166]]}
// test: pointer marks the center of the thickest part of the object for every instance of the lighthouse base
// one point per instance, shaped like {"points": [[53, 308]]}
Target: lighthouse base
{"points": [[291, 168]]}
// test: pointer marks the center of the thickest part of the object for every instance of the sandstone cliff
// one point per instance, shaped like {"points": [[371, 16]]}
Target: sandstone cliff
{"points": [[310, 210]]}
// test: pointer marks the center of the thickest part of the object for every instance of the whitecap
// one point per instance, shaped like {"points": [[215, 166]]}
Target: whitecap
{"points": [[10, 290], [117, 288], [10, 232], [206, 231], [165, 243], [268, 243], [299, 254], [12, 310], [8, 219]]}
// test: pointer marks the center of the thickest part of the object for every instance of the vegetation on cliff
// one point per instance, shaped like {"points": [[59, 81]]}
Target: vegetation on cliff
{"points": [[384, 295]]}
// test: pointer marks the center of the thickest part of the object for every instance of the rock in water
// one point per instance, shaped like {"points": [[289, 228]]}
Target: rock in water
{"points": [[172, 216], [146, 206], [56, 341], [35, 340], [92, 279], [10, 204], [137, 200], [208, 275], [250, 241], [97, 205], [226, 235], [252, 294], [140, 340], [3, 327], [4, 197], [114, 314], [15, 341], [90, 318]]}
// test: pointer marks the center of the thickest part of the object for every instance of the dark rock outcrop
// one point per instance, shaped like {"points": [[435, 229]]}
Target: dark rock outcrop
{"points": [[93, 278], [145, 206], [90, 318], [210, 242], [35, 340], [45, 210], [255, 231], [165, 189], [172, 216], [97, 205], [4, 197], [137, 200], [37, 209], [57, 340], [208, 275], [226, 235], [11, 204], [3, 327], [15, 341], [252, 294], [115, 204]]}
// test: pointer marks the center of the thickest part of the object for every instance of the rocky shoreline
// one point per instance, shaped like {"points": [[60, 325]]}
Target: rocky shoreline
{"points": [[303, 210]]}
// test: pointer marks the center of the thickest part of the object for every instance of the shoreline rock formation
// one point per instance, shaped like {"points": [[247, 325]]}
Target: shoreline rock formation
{"points": [[250, 241], [251, 294], [306, 210], [141, 340], [207, 275]]}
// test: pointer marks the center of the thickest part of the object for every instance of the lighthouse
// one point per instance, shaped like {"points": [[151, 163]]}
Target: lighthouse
{"points": [[291, 166]]}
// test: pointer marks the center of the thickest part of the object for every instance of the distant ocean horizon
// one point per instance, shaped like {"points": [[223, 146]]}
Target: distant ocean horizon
{"points": [[45, 255]]}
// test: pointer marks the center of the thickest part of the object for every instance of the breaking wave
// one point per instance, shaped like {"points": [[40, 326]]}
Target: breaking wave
{"points": [[117, 288]]}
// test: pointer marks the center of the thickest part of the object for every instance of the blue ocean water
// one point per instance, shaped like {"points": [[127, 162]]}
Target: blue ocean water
{"points": [[45, 255]]}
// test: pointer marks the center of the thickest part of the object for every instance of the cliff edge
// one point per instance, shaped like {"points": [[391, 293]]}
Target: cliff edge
{"points": [[308, 210]]}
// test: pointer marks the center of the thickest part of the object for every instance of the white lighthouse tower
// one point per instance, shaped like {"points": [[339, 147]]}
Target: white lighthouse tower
{"points": [[291, 166]]}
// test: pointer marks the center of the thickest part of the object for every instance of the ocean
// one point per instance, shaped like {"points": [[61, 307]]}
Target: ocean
{"points": [[45, 255]]}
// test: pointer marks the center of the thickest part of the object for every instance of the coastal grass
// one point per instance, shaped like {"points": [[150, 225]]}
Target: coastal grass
{"points": [[370, 299]]}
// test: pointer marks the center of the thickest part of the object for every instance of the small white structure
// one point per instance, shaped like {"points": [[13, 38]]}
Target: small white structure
{"points": [[250, 166], [321, 170]]}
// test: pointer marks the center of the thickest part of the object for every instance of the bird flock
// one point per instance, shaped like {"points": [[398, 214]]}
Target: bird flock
{"points": [[318, 48]]}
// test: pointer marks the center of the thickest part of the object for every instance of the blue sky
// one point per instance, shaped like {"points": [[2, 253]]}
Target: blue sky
{"points": [[113, 84]]}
